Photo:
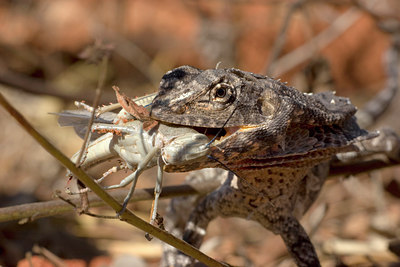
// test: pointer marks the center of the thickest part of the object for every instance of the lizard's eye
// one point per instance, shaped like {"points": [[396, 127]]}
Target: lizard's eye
{"points": [[222, 92]]}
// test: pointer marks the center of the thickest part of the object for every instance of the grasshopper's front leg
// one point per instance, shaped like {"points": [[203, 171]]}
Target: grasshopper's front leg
{"points": [[133, 177]]}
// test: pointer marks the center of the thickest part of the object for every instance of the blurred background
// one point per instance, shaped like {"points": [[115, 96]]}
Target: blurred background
{"points": [[48, 59]]}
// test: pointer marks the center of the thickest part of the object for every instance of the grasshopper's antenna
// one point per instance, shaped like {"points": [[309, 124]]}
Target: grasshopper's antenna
{"points": [[222, 128]]}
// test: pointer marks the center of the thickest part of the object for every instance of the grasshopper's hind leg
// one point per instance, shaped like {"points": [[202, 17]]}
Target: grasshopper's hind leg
{"points": [[157, 190], [114, 169], [156, 219]]}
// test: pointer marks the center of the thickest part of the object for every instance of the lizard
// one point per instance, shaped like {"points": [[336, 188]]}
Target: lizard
{"points": [[277, 140]]}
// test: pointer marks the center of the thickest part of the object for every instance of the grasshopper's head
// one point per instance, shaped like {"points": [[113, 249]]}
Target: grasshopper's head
{"points": [[184, 148]]}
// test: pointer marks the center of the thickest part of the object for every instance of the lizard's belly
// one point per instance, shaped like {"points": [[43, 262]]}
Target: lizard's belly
{"points": [[280, 190]]}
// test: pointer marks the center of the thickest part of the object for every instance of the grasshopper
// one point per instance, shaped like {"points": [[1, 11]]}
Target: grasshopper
{"points": [[127, 137]]}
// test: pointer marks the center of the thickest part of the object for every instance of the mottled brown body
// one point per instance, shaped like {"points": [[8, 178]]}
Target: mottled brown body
{"points": [[278, 144], [275, 197]]}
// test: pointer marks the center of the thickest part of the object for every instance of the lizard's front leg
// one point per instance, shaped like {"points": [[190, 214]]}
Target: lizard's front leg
{"points": [[298, 243], [204, 212], [180, 208], [222, 202]]}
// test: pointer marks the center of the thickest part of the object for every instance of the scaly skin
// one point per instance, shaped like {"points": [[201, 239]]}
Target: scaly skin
{"points": [[279, 142]]}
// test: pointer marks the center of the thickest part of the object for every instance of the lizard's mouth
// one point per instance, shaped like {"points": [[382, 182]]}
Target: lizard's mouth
{"points": [[218, 133], [211, 132]]}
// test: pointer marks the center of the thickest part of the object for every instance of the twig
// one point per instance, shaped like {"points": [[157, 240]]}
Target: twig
{"points": [[134, 55], [380, 103], [32, 211], [84, 211], [371, 11], [280, 40], [102, 77], [54, 259], [316, 218], [360, 167], [306, 51], [28, 257], [137, 58], [39, 87], [100, 84], [350, 247], [127, 215]]}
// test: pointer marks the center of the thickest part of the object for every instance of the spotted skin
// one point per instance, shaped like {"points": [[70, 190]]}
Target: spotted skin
{"points": [[280, 147]]}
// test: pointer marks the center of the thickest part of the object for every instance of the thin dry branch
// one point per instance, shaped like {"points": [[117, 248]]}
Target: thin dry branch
{"points": [[32, 211], [361, 167], [100, 84], [376, 107], [54, 259], [280, 40], [102, 78], [36, 86], [133, 54], [306, 51]]}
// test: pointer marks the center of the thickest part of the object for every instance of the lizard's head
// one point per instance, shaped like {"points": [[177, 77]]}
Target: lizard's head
{"points": [[210, 98], [261, 119]]}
